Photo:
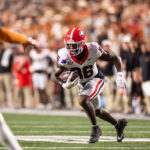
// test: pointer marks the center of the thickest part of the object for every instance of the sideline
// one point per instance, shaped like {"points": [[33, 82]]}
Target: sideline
{"points": [[69, 113]]}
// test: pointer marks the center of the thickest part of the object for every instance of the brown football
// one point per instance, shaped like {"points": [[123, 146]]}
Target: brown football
{"points": [[64, 76]]}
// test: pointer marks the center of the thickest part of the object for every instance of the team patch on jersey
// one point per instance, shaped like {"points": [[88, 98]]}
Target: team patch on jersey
{"points": [[63, 61]]}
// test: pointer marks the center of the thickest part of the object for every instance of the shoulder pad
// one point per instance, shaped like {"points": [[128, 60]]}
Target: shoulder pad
{"points": [[62, 57], [95, 48]]}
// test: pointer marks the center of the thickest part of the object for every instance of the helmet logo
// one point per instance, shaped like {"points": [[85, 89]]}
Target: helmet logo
{"points": [[81, 33]]}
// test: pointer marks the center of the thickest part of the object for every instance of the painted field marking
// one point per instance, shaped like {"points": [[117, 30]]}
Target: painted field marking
{"points": [[71, 131], [77, 139], [76, 126], [44, 148]]}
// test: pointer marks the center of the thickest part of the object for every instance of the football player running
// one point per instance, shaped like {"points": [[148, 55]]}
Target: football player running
{"points": [[6, 136], [80, 57]]}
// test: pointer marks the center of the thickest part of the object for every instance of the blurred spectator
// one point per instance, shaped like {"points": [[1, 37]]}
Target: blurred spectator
{"points": [[144, 61], [137, 93], [71, 97], [125, 53], [22, 80], [6, 59], [134, 54], [145, 87], [40, 68], [108, 70]]}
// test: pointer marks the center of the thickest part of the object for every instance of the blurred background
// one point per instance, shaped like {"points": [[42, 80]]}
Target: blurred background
{"points": [[26, 79]]}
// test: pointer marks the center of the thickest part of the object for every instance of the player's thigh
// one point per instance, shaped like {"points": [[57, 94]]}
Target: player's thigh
{"points": [[92, 88], [83, 99]]}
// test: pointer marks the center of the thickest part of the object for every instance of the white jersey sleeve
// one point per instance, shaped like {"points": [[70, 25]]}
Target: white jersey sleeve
{"points": [[95, 50], [62, 57], [99, 49]]}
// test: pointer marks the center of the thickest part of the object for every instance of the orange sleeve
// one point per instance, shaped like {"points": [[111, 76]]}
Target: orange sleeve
{"points": [[12, 36]]}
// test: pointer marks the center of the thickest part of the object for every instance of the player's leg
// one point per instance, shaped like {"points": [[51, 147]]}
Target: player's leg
{"points": [[84, 101], [6, 136], [103, 114], [87, 92]]}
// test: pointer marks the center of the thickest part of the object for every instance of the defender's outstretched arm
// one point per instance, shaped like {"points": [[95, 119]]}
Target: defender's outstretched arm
{"points": [[10, 36]]}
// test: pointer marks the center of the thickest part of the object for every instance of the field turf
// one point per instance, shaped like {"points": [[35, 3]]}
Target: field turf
{"points": [[43, 132]]}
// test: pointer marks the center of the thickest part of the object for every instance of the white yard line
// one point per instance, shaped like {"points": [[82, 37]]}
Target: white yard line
{"points": [[48, 148], [43, 148], [73, 126], [72, 131], [48, 122], [77, 139]]}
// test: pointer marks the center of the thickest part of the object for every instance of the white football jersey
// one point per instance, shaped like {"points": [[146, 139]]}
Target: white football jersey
{"points": [[86, 68], [40, 60]]}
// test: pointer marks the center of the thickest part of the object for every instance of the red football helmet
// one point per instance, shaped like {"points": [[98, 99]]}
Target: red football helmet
{"points": [[74, 41]]}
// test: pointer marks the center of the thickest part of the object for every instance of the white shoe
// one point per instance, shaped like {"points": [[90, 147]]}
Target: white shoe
{"points": [[40, 106], [48, 106]]}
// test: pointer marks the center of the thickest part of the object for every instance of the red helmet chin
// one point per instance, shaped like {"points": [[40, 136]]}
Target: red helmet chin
{"points": [[74, 41]]}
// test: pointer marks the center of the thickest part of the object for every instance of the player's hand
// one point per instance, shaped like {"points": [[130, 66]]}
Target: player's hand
{"points": [[120, 80], [69, 84], [33, 42], [66, 85]]}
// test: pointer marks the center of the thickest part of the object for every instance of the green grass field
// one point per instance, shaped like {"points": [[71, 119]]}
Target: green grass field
{"points": [[42, 132]]}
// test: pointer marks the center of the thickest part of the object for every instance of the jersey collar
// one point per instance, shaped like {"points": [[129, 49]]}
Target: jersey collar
{"points": [[83, 59]]}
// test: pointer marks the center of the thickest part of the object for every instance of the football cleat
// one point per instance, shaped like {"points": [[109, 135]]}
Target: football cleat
{"points": [[122, 123], [95, 134]]}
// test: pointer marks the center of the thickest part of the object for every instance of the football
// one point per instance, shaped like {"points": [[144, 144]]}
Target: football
{"points": [[64, 76]]}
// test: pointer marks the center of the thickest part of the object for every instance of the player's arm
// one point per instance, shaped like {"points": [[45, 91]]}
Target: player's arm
{"points": [[65, 84], [10, 36], [60, 70], [110, 56]]}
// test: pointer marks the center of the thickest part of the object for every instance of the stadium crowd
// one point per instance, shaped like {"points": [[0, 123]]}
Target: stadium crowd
{"points": [[26, 79]]}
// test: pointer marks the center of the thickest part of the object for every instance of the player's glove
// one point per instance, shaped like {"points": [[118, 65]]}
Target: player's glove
{"points": [[120, 80], [69, 84], [33, 42]]}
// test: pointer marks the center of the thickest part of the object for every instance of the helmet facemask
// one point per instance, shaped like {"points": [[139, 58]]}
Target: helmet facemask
{"points": [[74, 48]]}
